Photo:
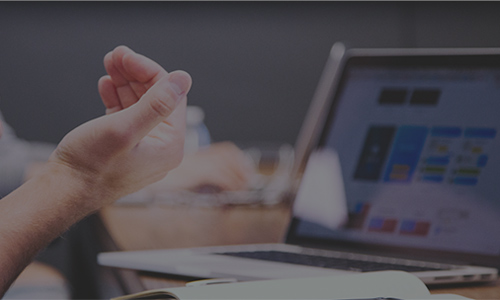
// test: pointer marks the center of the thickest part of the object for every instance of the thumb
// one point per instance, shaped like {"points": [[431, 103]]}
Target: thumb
{"points": [[157, 103]]}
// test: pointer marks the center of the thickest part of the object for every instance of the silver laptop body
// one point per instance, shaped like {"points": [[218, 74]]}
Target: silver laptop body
{"points": [[416, 133]]}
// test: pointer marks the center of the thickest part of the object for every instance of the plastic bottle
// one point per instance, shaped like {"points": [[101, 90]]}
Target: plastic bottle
{"points": [[197, 134]]}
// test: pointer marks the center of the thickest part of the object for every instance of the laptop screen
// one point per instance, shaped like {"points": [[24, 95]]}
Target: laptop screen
{"points": [[419, 147]]}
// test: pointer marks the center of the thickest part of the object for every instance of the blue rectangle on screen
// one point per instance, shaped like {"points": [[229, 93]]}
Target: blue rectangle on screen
{"points": [[482, 160], [438, 160], [483, 133], [359, 208], [433, 178], [465, 180], [450, 132], [376, 223], [405, 155], [408, 226]]}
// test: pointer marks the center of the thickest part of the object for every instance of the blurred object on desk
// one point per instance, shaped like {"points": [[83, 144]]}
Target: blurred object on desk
{"points": [[321, 197], [208, 214], [222, 175], [197, 134], [221, 166]]}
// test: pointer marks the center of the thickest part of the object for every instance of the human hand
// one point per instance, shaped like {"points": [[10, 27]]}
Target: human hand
{"points": [[142, 136], [139, 140], [219, 167]]}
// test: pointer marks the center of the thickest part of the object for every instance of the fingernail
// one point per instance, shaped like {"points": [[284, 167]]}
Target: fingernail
{"points": [[180, 82]]}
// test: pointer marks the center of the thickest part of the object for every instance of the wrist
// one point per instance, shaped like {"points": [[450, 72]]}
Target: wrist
{"points": [[80, 193]]}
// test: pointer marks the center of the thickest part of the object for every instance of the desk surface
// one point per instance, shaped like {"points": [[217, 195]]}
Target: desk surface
{"points": [[488, 291], [136, 228]]}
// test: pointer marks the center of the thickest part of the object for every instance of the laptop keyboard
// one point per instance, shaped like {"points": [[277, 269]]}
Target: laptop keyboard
{"points": [[333, 262]]}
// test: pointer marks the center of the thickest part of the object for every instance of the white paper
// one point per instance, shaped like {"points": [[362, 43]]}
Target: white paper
{"points": [[394, 284]]}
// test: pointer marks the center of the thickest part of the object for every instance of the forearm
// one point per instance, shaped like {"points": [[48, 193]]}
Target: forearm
{"points": [[38, 212]]}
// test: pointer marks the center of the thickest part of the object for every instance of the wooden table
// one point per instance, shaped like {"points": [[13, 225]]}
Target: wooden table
{"points": [[154, 227], [486, 291], [170, 226]]}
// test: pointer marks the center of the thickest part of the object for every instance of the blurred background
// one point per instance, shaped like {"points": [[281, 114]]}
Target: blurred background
{"points": [[255, 65]]}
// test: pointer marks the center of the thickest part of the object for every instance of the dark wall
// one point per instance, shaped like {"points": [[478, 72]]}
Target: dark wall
{"points": [[255, 65]]}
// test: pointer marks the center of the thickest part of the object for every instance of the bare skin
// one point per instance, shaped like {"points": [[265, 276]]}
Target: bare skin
{"points": [[137, 143]]}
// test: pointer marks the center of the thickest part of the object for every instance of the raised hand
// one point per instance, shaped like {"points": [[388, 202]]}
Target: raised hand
{"points": [[136, 143], [142, 136]]}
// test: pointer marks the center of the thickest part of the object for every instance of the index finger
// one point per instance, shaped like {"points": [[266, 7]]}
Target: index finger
{"points": [[125, 66], [142, 69]]}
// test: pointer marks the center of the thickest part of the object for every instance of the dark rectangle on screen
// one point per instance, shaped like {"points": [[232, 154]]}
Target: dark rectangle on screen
{"points": [[390, 96], [375, 150], [425, 97]]}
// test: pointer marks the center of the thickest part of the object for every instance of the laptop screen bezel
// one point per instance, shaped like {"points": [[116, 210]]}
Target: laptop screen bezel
{"points": [[398, 58]]}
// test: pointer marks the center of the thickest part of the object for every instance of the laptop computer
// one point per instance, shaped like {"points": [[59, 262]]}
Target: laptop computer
{"points": [[415, 131]]}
